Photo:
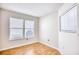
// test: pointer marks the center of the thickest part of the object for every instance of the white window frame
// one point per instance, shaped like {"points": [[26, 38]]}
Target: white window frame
{"points": [[23, 29]]}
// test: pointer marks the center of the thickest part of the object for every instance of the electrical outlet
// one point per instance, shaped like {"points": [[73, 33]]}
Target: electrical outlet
{"points": [[26, 38], [48, 39]]}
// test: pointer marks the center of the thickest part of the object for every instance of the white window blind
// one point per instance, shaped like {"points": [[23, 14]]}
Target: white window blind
{"points": [[20, 28], [68, 21], [29, 29]]}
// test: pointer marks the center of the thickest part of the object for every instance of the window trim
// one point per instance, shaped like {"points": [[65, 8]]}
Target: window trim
{"points": [[21, 28]]}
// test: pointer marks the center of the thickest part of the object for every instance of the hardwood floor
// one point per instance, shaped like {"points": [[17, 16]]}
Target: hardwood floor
{"points": [[31, 49]]}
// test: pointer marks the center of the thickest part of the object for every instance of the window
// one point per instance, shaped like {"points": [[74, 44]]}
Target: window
{"points": [[20, 28], [68, 21], [16, 28], [29, 29]]}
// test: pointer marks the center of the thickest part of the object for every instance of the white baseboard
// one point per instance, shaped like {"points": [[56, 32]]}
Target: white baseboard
{"points": [[51, 46], [17, 46]]}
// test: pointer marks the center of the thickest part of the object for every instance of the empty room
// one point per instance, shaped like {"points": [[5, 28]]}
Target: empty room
{"points": [[39, 29]]}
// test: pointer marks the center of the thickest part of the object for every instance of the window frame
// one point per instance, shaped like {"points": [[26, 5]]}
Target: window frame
{"points": [[24, 37]]}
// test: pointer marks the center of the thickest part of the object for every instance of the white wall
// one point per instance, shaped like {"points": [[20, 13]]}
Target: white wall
{"points": [[48, 29], [4, 39]]}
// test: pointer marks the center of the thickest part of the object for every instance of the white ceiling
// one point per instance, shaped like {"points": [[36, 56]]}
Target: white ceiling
{"points": [[34, 9]]}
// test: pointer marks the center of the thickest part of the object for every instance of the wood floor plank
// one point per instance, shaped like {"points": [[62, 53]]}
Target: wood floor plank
{"points": [[31, 49]]}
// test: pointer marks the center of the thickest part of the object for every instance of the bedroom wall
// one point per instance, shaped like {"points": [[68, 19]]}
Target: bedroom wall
{"points": [[5, 42], [48, 29]]}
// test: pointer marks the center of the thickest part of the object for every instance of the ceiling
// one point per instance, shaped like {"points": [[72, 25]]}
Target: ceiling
{"points": [[34, 9]]}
